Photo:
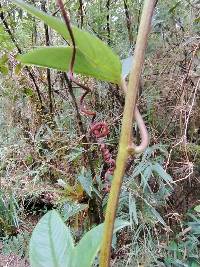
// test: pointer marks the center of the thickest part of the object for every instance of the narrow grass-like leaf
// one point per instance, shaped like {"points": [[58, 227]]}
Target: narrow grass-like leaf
{"points": [[85, 180], [157, 216], [197, 208], [71, 209], [132, 210], [139, 169], [145, 176], [162, 173]]}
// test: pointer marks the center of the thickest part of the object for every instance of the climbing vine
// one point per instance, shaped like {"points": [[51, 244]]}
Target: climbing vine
{"points": [[80, 58]]}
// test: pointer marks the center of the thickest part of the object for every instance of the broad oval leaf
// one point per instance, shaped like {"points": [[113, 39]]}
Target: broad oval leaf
{"points": [[99, 54], [96, 52], [59, 58], [88, 247], [51, 243]]}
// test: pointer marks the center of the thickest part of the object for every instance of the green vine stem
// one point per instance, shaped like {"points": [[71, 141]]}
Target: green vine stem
{"points": [[132, 148], [126, 131]]}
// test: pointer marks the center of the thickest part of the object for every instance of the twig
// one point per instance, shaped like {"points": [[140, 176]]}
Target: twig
{"points": [[58, 10], [69, 79], [87, 90], [108, 21], [69, 28], [184, 80], [190, 110], [47, 39], [128, 23], [78, 115], [81, 12]]}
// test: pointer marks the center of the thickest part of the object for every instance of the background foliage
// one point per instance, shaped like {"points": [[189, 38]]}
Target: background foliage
{"points": [[45, 158]]}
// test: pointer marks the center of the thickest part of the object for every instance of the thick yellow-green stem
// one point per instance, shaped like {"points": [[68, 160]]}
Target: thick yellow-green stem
{"points": [[126, 131]]}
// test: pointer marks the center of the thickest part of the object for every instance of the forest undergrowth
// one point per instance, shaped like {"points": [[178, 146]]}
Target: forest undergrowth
{"points": [[49, 159]]}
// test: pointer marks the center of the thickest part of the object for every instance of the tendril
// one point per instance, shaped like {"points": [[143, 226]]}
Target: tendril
{"points": [[98, 130]]}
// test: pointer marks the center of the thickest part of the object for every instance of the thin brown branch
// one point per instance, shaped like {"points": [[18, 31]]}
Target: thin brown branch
{"points": [[81, 12], [128, 22], [69, 28], [108, 21], [182, 88], [95, 203], [47, 40]]}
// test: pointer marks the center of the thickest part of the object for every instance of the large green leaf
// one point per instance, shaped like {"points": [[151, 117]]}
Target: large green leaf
{"points": [[51, 243], [88, 247], [59, 58], [99, 54]]}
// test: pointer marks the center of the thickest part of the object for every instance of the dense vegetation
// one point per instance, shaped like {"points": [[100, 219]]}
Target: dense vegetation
{"points": [[51, 163]]}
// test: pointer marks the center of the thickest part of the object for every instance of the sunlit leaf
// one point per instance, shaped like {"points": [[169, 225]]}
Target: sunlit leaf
{"points": [[4, 59], [95, 51], [3, 69], [172, 10], [18, 69], [197, 20], [28, 92], [59, 58]]}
